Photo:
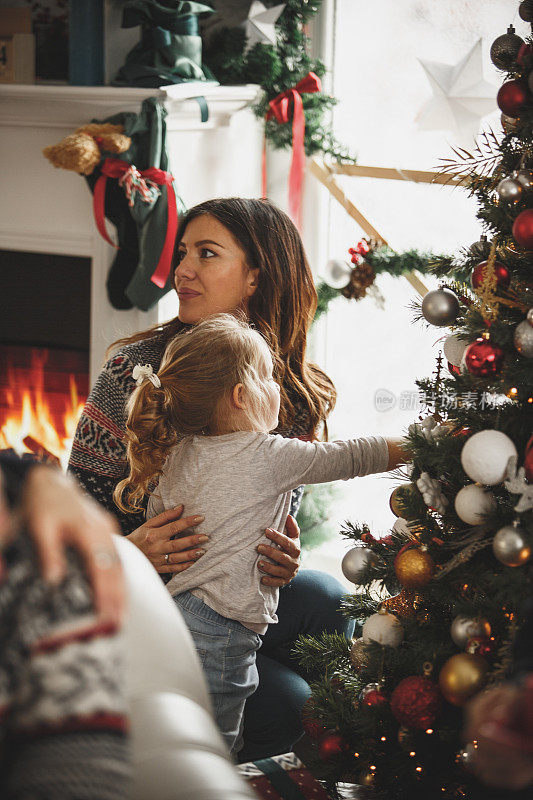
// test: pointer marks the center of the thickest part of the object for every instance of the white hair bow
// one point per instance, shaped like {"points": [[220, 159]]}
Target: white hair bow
{"points": [[141, 372]]}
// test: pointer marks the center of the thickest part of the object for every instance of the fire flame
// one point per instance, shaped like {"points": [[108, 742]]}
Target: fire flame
{"points": [[31, 426]]}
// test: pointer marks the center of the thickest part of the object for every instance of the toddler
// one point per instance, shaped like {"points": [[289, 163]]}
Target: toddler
{"points": [[201, 427]]}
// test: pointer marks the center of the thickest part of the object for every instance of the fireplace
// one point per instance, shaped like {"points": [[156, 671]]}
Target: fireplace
{"points": [[44, 350]]}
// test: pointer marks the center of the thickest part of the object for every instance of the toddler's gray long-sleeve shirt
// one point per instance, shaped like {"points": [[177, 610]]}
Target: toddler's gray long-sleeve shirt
{"points": [[241, 482]]}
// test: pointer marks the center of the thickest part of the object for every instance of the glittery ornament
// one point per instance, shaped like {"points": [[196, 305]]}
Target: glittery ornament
{"points": [[523, 339], [403, 605], [462, 676], [483, 358], [512, 98], [504, 50], [503, 279], [440, 307], [525, 10], [359, 654], [414, 567], [416, 702], [481, 248], [523, 229], [512, 545]]}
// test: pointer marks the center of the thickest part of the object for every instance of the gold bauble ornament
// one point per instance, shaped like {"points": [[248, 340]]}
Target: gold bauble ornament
{"points": [[395, 502], [462, 676], [358, 654], [403, 604], [414, 567]]}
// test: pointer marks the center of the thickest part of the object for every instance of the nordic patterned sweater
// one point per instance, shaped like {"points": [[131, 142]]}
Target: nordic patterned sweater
{"points": [[98, 457]]}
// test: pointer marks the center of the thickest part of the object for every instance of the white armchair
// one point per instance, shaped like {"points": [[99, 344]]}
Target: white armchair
{"points": [[178, 753]]}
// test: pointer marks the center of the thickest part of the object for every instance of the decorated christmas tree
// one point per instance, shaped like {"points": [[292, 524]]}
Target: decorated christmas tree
{"points": [[438, 600]]}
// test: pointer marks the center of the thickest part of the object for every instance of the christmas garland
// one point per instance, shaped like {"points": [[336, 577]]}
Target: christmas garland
{"points": [[278, 68]]}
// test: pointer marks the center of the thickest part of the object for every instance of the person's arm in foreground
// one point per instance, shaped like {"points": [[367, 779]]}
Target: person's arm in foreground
{"points": [[63, 722]]}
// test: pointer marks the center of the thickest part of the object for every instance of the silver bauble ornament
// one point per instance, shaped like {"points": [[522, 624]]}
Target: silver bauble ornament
{"points": [[383, 628], [525, 178], [512, 545], [465, 628], [440, 307], [509, 124], [356, 562], [523, 339], [337, 274], [509, 190], [454, 349], [480, 249], [504, 49], [473, 504], [485, 456], [529, 316]]}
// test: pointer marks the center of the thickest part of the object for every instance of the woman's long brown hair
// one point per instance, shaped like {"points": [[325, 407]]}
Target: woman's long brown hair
{"points": [[282, 307]]}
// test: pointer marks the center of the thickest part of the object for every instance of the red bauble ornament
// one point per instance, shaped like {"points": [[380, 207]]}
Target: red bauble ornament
{"points": [[311, 726], [456, 371], [503, 279], [416, 702], [512, 98], [483, 358], [528, 461], [523, 54], [523, 229], [373, 696], [331, 746]]}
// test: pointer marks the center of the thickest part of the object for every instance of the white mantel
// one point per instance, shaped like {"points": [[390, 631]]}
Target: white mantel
{"points": [[49, 210]]}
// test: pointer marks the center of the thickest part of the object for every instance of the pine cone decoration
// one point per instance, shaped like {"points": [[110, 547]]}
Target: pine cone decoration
{"points": [[361, 278]]}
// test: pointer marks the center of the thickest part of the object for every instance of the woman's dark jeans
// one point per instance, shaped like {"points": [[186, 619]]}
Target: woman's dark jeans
{"points": [[310, 604]]}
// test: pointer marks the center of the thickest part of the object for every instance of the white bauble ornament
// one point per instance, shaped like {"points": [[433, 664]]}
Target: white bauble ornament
{"points": [[383, 628], [512, 546], [473, 504], [454, 349], [485, 456], [337, 274], [465, 628], [356, 561]]}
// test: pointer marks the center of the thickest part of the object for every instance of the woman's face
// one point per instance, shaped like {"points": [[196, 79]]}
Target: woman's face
{"points": [[212, 275]]}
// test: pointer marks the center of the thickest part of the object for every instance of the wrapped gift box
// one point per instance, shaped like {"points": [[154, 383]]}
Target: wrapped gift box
{"points": [[282, 778]]}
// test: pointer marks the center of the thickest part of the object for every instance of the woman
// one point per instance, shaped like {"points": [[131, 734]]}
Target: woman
{"points": [[231, 254]]}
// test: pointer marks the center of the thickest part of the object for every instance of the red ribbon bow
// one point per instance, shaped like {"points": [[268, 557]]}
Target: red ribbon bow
{"points": [[115, 168], [279, 108]]}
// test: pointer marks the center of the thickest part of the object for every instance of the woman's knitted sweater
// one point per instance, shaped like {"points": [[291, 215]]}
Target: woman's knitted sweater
{"points": [[98, 457]]}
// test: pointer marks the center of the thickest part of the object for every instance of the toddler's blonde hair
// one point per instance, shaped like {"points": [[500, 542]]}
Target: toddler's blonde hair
{"points": [[199, 369]]}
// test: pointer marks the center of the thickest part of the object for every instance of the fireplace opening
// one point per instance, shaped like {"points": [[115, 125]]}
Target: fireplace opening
{"points": [[44, 350]]}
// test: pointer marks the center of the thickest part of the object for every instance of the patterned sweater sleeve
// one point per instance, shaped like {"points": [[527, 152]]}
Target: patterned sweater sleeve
{"points": [[63, 710], [98, 456]]}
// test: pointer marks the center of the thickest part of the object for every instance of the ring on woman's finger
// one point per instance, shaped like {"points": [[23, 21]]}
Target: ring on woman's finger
{"points": [[167, 558], [105, 557]]}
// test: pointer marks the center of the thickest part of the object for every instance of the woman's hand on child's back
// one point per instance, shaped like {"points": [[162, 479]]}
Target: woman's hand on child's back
{"points": [[286, 555], [170, 555]]}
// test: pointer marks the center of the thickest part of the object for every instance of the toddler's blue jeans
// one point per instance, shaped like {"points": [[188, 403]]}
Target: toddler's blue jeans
{"points": [[227, 653]]}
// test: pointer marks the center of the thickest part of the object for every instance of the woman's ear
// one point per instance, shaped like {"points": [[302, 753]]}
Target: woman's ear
{"points": [[252, 281], [237, 396]]}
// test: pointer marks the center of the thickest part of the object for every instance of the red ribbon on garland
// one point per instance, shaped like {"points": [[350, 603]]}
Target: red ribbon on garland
{"points": [[280, 108], [115, 168]]}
